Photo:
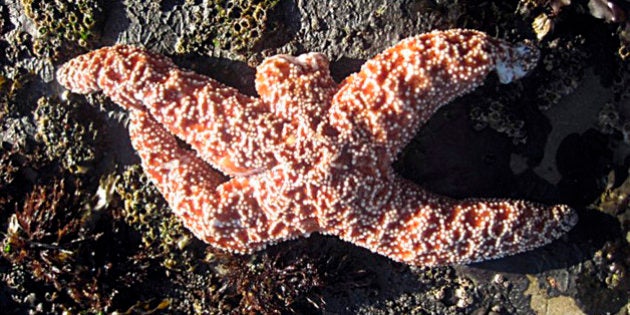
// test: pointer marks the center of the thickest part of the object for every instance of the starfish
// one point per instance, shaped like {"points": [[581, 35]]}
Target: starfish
{"points": [[310, 155]]}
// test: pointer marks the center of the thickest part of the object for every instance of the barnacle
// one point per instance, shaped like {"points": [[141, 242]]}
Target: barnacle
{"points": [[562, 68], [234, 25], [66, 136], [163, 236], [64, 24], [498, 118], [613, 116]]}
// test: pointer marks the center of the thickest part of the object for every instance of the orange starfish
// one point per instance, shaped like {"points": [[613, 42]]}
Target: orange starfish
{"points": [[310, 155]]}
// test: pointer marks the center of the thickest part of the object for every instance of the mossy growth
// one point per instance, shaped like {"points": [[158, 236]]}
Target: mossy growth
{"points": [[70, 24], [51, 234], [234, 25]]}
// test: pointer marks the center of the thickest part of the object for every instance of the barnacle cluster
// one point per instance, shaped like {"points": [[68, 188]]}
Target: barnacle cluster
{"points": [[614, 115], [451, 292], [69, 24], [611, 120], [63, 132], [144, 210], [498, 118], [234, 25], [561, 69], [40, 141], [18, 63]]}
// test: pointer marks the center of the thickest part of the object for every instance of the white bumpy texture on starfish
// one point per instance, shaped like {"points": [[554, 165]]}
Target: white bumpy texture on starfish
{"points": [[310, 155]]}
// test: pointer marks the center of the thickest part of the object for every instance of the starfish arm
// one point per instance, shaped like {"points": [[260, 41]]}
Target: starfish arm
{"points": [[234, 132], [399, 89], [225, 214], [411, 225]]}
